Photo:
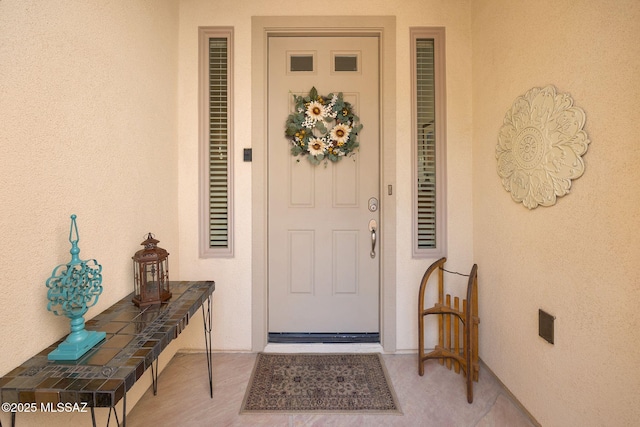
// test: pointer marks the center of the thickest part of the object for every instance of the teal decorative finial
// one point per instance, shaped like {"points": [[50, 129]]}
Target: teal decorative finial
{"points": [[75, 250], [73, 288]]}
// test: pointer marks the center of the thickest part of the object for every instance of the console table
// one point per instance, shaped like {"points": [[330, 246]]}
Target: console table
{"points": [[101, 378]]}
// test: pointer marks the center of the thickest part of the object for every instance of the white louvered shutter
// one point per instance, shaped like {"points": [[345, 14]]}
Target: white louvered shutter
{"points": [[426, 144]]}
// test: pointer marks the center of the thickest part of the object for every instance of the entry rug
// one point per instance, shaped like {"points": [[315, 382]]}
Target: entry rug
{"points": [[333, 383]]}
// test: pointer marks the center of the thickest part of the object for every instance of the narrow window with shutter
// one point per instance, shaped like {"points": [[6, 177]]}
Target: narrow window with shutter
{"points": [[216, 211], [428, 145]]}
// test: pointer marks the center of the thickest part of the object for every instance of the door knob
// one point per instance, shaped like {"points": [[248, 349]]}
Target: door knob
{"points": [[373, 228]]}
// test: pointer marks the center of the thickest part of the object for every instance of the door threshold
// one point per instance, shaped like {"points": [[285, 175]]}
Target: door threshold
{"points": [[324, 348], [323, 337]]}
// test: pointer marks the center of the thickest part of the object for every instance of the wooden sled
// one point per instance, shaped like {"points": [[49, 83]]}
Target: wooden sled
{"points": [[459, 351]]}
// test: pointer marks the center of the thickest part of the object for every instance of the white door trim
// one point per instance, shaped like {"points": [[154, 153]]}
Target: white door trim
{"points": [[383, 27]]}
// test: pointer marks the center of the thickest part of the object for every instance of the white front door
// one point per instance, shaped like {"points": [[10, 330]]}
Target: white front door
{"points": [[323, 260]]}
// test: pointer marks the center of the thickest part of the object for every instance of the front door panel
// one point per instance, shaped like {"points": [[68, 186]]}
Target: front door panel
{"points": [[323, 271]]}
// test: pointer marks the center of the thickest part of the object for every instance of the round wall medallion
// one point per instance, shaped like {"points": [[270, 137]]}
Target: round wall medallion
{"points": [[529, 148], [540, 146]]}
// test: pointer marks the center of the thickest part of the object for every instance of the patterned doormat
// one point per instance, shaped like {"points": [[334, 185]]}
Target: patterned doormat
{"points": [[336, 383]]}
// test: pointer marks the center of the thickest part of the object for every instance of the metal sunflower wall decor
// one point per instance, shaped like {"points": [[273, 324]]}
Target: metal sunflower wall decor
{"points": [[540, 146]]}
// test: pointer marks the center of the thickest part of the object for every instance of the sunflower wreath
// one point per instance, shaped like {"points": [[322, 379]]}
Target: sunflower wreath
{"points": [[322, 127]]}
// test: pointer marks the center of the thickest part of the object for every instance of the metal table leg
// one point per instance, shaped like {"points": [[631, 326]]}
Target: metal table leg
{"points": [[206, 319], [154, 376], [115, 412]]}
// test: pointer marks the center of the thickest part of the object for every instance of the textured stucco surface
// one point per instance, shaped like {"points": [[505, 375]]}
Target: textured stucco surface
{"points": [[575, 260], [87, 127]]}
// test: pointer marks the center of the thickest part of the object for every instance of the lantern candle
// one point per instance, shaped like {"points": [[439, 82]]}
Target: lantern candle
{"points": [[151, 274]]}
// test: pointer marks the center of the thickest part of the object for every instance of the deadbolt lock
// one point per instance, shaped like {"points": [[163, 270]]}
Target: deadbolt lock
{"points": [[373, 204]]}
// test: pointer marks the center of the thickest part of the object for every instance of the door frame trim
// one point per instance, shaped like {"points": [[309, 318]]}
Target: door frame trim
{"points": [[263, 27]]}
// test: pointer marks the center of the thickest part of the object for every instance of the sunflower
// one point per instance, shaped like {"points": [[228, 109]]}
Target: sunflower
{"points": [[316, 110], [340, 133], [317, 146]]}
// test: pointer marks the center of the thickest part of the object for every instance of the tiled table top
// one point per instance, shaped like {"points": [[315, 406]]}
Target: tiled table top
{"points": [[135, 338]]}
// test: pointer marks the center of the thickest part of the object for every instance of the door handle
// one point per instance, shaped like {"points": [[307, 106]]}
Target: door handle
{"points": [[373, 227]]}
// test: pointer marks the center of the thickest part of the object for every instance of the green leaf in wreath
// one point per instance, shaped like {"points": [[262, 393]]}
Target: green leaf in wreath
{"points": [[313, 93], [313, 159], [291, 129], [352, 145], [333, 157], [296, 150], [321, 127]]}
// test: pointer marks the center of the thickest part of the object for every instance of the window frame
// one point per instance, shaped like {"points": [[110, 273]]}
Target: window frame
{"points": [[437, 34], [204, 35]]}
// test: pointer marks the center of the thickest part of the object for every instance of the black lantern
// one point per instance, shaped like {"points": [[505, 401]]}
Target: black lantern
{"points": [[151, 274]]}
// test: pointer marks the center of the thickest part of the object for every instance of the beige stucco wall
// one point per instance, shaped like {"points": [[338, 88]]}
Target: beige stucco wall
{"points": [[87, 126], [578, 259], [232, 302]]}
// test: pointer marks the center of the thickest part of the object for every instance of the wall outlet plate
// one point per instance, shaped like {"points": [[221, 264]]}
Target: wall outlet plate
{"points": [[545, 325]]}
